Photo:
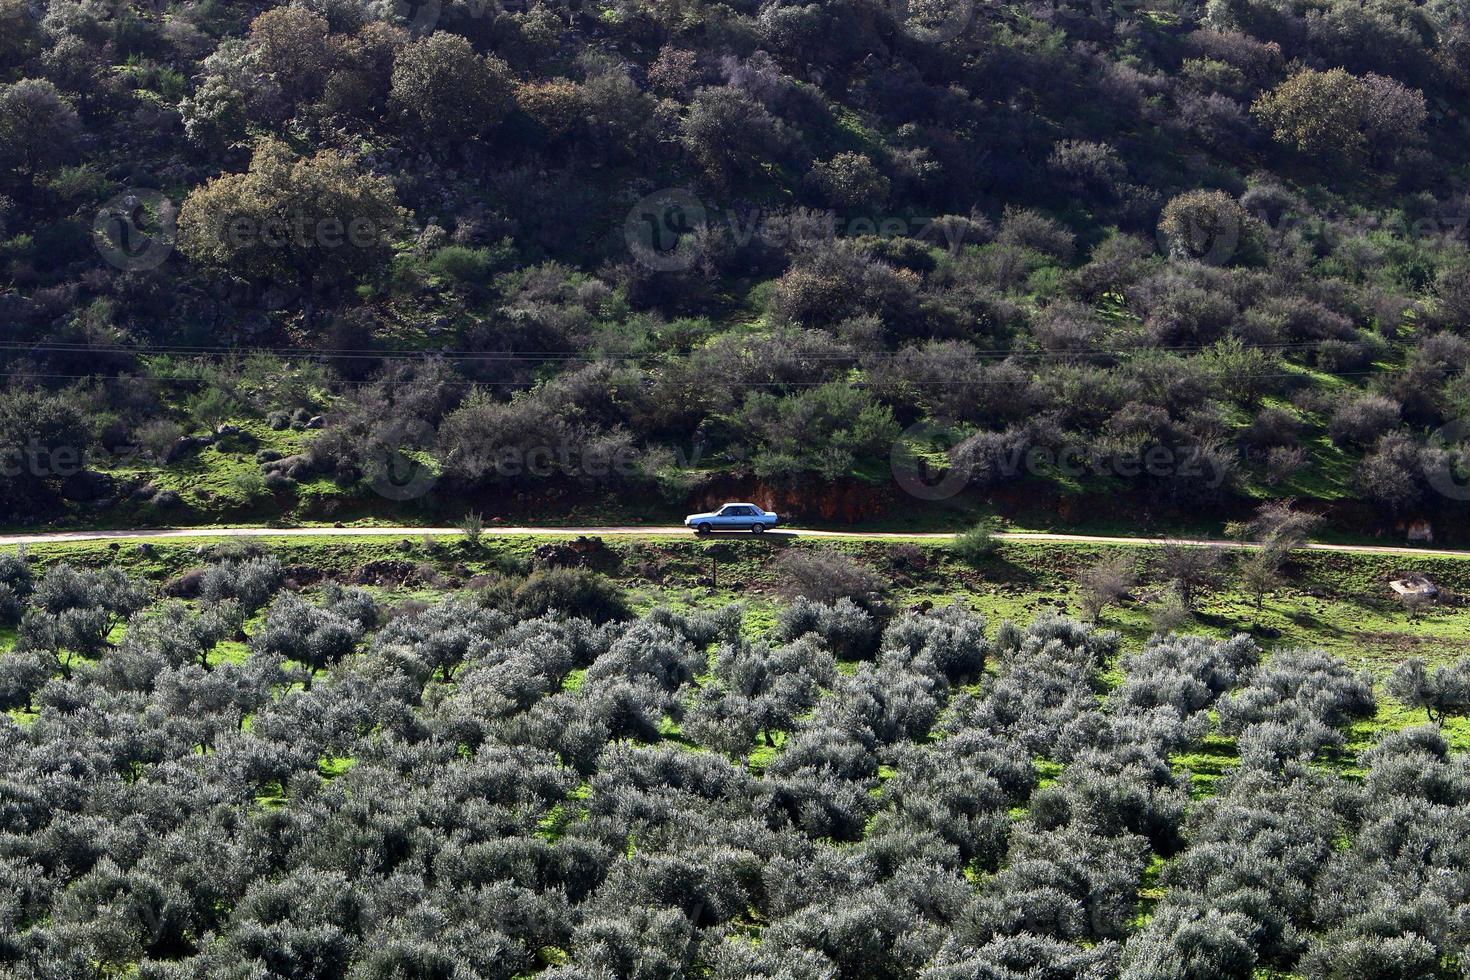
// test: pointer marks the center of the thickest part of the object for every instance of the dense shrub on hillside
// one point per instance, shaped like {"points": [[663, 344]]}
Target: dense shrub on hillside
{"points": [[846, 628], [859, 219], [573, 591], [16, 583]]}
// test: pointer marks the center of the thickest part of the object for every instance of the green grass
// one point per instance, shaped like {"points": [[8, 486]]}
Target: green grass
{"points": [[1214, 758]]}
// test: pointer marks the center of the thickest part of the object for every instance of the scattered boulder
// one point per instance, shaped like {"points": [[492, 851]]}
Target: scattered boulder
{"points": [[557, 555], [185, 445], [297, 467], [384, 572]]}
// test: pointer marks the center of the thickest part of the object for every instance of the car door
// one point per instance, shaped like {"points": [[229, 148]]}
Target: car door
{"points": [[727, 517], [739, 517]]}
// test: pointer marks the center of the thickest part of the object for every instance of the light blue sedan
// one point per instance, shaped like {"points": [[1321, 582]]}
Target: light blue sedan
{"points": [[733, 517]]}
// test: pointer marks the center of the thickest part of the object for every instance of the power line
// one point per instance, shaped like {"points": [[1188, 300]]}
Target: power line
{"points": [[595, 356], [978, 383]]}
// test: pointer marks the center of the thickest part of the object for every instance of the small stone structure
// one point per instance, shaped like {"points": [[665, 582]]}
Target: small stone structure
{"points": [[1413, 584]]}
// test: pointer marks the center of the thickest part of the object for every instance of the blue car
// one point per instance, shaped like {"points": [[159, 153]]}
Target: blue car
{"points": [[733, 517]]}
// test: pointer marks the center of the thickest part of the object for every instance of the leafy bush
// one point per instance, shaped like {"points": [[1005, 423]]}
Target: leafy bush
{"points": [[467, 265], [1443, 692], [976, 544], [572, 592]]}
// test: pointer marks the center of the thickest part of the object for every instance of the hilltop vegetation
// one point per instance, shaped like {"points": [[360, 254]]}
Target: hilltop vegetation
{"points": [[1194, 254]]}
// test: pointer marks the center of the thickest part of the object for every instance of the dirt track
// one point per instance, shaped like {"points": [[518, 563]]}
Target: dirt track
{"points": [[54, 537]]}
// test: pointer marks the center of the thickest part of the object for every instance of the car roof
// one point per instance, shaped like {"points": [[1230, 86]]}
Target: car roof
{"points": [[736, 503]]}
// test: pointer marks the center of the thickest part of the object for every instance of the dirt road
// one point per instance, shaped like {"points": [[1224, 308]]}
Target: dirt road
{"points": [[54, 537]]}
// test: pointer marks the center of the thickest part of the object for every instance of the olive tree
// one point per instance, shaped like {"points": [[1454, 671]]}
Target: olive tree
{"points": [[443, 90], [1442, 692], [314, 636], [297, 221], [38, 127]]}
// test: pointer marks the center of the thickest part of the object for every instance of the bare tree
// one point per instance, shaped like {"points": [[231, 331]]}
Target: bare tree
{"points": [[1260, 572], [1189, 568], [1277, 526], [1105, 583]]}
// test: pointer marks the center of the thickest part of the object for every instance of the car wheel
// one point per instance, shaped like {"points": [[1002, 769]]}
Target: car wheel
{"points": [[703, 529], [757, 528]]}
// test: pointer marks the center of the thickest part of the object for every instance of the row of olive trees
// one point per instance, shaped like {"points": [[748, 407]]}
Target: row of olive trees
{"points": [[455, 788], [1238, 898]]}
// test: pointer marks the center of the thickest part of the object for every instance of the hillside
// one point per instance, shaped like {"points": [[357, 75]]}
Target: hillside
{"points": [[334, 260]]}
